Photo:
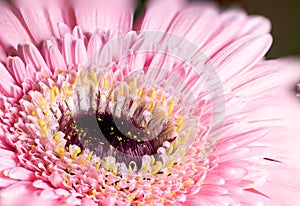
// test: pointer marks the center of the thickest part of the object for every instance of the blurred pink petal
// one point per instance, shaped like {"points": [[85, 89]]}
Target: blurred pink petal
{"points": [[115, 15], [12, 30]]}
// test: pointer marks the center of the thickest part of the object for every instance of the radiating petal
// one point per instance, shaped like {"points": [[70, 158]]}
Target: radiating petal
{"points": [[8, 84], [156, 19], [12, 32], [241, 55], [105, 15], [42, 19]]}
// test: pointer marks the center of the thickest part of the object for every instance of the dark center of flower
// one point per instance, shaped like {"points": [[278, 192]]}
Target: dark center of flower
{"points": [[105, 134], [124, 121]]}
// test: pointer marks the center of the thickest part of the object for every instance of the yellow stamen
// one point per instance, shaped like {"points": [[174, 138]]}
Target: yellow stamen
{"points": [[90, 156], [165, 102], [171, 108], [157, 168], [171, 194], [67, 180], [94, 192], [153, 93], [106, 166], [77, 151], [179, 123], [56, 137], [54, 91], [43, 103], [97, 165], [40, 121], [170, 150], [76, 80], [61, 151], [68, 169], [67, 92], [84, 78], [152, 160], [114, 169], [121, 90], [82, 162], [152, 106], [133, 88], [129, 168], [171, 163], [93, 76], [104, 82], [188, 182], [140, 91]]}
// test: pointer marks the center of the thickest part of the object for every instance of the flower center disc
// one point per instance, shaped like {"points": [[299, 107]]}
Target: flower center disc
{"points": [[100, 132]]}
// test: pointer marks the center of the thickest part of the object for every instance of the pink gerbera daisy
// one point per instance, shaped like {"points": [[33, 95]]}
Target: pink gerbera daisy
{"points": [[179, 108]]}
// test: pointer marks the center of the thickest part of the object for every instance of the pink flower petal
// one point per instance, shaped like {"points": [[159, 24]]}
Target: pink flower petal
{"points": [[88, 202], [94, 45], [5, 182], [80, 52], [229, 28], [195, 24], [21, 193], [214, 179], [156, 19], [213, 190], [40, 184], [32, 56], [49, 194], [68, 49], [8, 84], [240, 55], [42, 18], [8, 159], [63, 29], [12, 31], [17, 68], [18, 173], [109, 201], [105, 15], [256, 25], [54, 57], [3, 54], [286, 149], [17, 189], [56, 180]]}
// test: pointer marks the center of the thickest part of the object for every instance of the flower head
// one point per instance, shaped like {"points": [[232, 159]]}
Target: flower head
{"points": [[175, 109]]}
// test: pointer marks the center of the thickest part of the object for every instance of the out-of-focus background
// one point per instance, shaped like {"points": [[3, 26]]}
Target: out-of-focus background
{"points": [[285, 18]]}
